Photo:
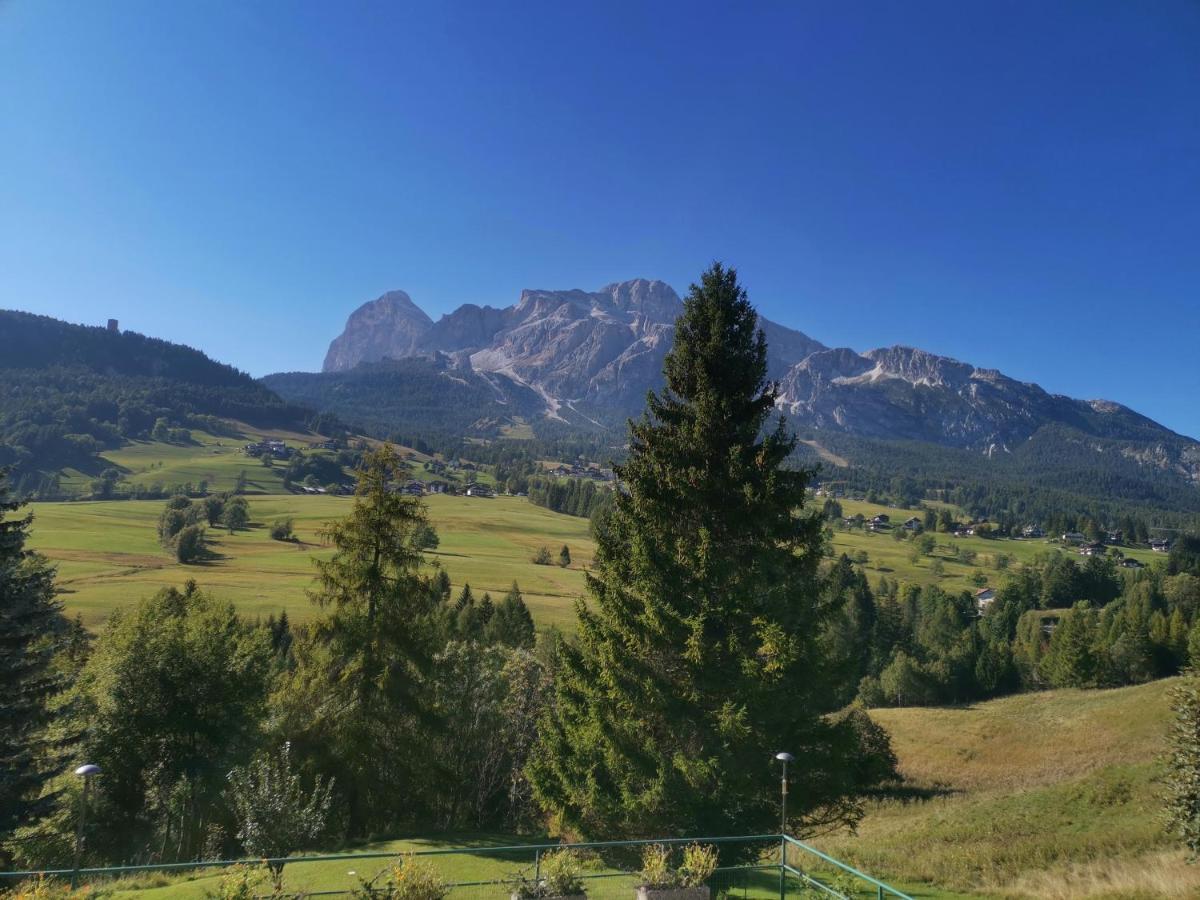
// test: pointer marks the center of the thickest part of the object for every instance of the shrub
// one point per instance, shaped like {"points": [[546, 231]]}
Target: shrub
{"points": [[282, 530], [408, 879], [43, 888], [697, 865], [240, 882], [542, 557], [560, 875], [189, 544]]}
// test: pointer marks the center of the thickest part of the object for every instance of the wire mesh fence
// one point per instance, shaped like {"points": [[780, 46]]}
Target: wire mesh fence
{"points": [[753, 867]]}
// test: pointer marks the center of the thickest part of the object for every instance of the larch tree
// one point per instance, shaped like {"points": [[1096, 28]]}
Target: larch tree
{"points": [[700, 654], [355, 705]]}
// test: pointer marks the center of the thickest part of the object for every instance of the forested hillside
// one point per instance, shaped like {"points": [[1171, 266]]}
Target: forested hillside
{"points": [[68, 392], [1057, 478], [419, 395]]}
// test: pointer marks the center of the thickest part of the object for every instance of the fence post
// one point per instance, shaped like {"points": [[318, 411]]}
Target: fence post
{"points": [[537, 866], [782, 866]]}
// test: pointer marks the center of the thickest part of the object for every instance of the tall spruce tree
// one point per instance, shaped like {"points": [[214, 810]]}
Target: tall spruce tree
{"points": [[699, 654], [31, 626]]}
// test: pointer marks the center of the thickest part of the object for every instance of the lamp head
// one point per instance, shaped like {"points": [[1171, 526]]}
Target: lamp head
{"points": [[88, 770], [785, 757]]}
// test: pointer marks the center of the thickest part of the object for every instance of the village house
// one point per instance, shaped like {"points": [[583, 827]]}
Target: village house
{"points": [[1073, 537], [478, 490], [1160, 546], [1094, 548], [1033, 531], [913, 523], [273, 449], [984, 598]]}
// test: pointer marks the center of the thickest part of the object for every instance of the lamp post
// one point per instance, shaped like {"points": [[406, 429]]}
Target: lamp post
{"points": [[87, 772], [785, 758]]}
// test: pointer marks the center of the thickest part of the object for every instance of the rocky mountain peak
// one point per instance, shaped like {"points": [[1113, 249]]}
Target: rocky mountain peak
{"points": [[388, 327]]}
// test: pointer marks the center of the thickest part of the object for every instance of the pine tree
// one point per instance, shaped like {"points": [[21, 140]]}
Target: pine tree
{"points": [[511, 624], [564, 556], [698, 654], [31, 629]]}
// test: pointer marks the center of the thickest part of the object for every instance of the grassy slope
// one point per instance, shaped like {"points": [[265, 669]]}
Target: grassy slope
{"points": [[108, 553], [1042, 795], [887, 556]]}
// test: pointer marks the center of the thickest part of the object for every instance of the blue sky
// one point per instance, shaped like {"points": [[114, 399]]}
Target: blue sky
{"points": [[1013, 184]]}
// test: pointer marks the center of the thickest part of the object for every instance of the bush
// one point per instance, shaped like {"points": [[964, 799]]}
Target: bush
{"points": [[189, 544], [408, 879], [282, 530], [562, 873], [43, 888], [241, 882], [699, 863], [696, 867], [542, 557]]}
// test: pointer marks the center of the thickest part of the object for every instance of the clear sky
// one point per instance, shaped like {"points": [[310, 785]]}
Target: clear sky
{"points": [[1016, 184]]}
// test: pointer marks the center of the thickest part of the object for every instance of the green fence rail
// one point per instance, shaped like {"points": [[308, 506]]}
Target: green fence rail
{"points": [[766, 866]]}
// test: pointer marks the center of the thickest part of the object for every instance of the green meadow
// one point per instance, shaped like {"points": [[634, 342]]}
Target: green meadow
{"points": [[889, 557], [108, 553], [1049, 794]]}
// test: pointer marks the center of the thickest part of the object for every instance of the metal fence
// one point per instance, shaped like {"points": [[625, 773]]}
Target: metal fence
{"points": [[754, 867]]}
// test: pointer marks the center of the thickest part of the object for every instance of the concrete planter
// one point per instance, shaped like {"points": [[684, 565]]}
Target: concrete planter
{"points": [[692, 893]]}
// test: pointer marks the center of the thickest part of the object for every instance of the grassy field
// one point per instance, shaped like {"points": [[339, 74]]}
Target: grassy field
{"points": [[109, 556], [108, 553], [1051, 794], [887, 556]]}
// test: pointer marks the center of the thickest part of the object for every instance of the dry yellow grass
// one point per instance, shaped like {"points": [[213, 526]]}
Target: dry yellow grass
{"points": [[1046, 795]]}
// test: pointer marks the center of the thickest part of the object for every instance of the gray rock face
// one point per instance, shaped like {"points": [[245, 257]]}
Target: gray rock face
{"points": [[390, 327], [902, 392], [591, 356], [595, 353]]}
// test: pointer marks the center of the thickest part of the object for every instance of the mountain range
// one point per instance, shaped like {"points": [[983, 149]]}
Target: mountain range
{"points": [[588, 358]]}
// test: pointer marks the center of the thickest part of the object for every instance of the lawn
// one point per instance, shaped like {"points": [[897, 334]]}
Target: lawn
{"points": [[108, 553], [1052, 794]]}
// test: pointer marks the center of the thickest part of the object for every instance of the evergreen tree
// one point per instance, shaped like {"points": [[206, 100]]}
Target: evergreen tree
{"points": [[1183, 765], [355, 704], [511, 624], [486, 609], [31, 629], [698, 656], [1071, 661], [564, 556], [441, 585]]}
